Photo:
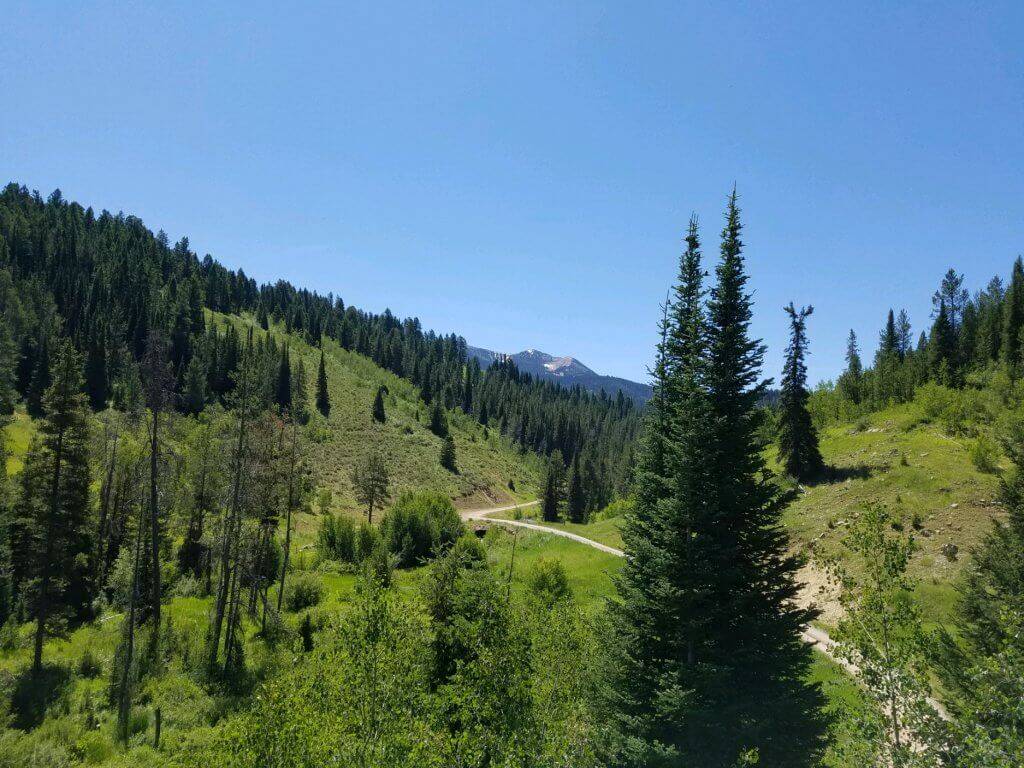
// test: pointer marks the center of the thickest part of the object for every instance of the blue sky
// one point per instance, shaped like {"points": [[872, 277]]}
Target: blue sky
{"points": [[523, 173]]}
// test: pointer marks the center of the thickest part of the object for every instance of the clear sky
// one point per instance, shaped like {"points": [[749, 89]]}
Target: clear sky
{"points": [[522, 173]]}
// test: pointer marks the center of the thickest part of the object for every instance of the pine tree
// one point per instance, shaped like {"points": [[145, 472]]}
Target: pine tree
{"points": [[942, 349], [323, 398], [371, 482], [8, 366], [39, 382], [378, 406], [662, 639], [888, 339], [193, 396], [54, 533], [798, 439], [283, 387], [438, 420], [96, 375], [904, 335], [300, 393], [554, 482], [753, 625], [852, 379], [1013, 318], [448, 460], [576, 499]]}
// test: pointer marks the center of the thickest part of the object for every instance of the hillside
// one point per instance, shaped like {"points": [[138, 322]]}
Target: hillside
{"points": [[487, 461]]}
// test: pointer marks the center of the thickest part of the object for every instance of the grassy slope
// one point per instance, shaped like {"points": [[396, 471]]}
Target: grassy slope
{"points": [[486, 464], [915, 470], [892, 458]]}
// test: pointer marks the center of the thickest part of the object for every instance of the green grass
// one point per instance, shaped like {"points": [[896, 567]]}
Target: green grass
{"points": [[607, 531], [590, 571]]}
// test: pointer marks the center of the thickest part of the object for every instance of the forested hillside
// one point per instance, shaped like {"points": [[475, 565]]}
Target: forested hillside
{"points": [[105, 282]]}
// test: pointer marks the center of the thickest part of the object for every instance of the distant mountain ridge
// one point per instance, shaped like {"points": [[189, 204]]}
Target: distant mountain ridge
{"points": [[566, 370]]}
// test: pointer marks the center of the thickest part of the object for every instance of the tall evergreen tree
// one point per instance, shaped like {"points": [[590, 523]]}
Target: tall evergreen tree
{"points": [[904, 335], [942, 351], [663, 639], [96, 383], [323, 397], [1013, 318], [283, 386], [53, 531], [448, 460], [576, 497], [851, 381], [798, 439], [300, 393], [377, 411], [438, 420], [888, 339], [554, 489], [40, 380], [8, 368], [753, 623]]}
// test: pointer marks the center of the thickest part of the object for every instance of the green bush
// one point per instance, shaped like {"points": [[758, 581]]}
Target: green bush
{"points": [[419, 525], [304, 591], [934, 399], [336, 539], [548, 582], [985, 455]]}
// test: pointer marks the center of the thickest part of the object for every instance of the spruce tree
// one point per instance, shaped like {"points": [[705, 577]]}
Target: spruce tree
{"points": [[438, 420], [888, 339], [96, 384], [798, 439], [850, 383], [663, 640], [448, 460], [377, 411], [1013, 318], [283, 387], [39, 382], [942, 349], [753, 624], [300, 393], [554, 481], [53, 537], [8, 366], [323, 398], [576, 498]]}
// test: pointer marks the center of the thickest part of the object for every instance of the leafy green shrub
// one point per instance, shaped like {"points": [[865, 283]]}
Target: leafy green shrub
{"points": [[933, 399], [336, 539], [366, 540], [89, 665], [985, 455], [548, 582], [304, 591], [419, 525]]}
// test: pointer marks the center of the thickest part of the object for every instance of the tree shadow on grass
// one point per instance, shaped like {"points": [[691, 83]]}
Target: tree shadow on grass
{"points": [[832, 474], [34, 693]]}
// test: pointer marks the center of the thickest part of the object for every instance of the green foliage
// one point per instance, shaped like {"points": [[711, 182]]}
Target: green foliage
{"points": [[304, 591], [448, 460], [798, 440], [985, 455], [548, 582], [882, 635], [419, 526]]}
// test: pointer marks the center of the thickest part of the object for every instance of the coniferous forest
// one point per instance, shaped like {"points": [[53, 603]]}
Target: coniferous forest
{"points": [[204, 558]]}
